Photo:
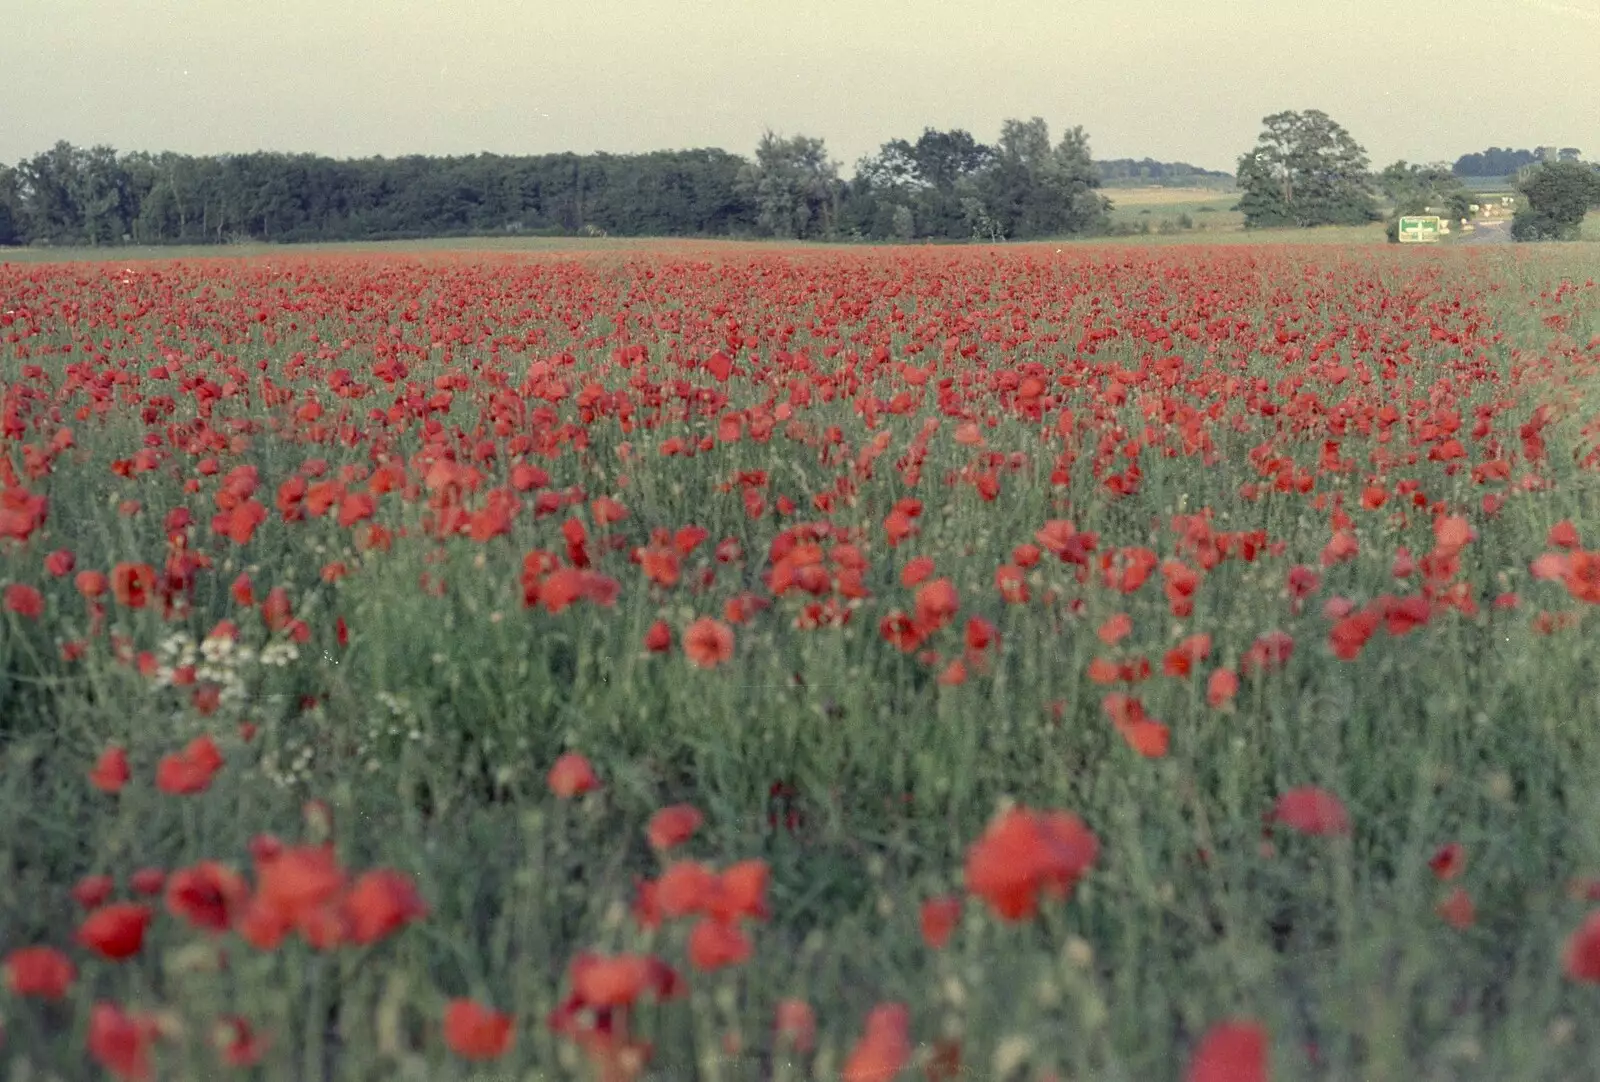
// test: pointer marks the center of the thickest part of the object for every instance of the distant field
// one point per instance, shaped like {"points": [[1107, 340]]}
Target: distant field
{"points": [[1488, 184], [1209, 211], [1144, 197], [1214, 226]]}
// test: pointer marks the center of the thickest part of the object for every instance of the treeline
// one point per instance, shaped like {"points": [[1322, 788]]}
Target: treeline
{"points": [[1146, 171], [945, 185], [1504, 162]]}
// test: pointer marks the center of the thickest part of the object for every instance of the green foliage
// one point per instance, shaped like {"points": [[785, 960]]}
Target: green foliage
{"points": [[11, 229], [1036, 190], [1559, 194], [793, 186], [71, 196], [1148, 172], [1305, 170]]}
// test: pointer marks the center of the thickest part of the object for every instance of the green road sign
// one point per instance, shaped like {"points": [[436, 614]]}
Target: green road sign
{"points": [[1420, 228]]}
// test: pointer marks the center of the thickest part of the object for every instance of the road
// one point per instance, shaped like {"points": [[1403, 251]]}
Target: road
{"points": [[1488, 231]]}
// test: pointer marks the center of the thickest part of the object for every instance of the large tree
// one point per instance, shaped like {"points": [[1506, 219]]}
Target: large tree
{"points": [[11, 229], [1035, 190], [1559, 194], [922, 189], [1305, 170], [793, 185]]}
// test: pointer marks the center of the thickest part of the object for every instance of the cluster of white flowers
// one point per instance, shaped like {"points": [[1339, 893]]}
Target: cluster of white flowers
{"points": [[219, 660], [215, 661], [290, 765], [400, 721]]}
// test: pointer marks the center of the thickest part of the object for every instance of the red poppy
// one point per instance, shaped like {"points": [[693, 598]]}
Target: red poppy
{"points": [[1025, 852], [110, 771], [658, 639], [796, 1023], [939, 917], [148, 881], [1230, 1052], [115, 931], [1448, 862], [191, 770], [1310, 810], [120, 1042], [686, 887], [237, 1043], [92, 891], [131, 584], [1115, 629], [572, 776], [708, 643], [1581, 959], [1457, 909], [673, 826], [207, 895], [715, 944], [41, 972], [885, 1047], [475, 1032], [380, 902], [25, 601]]}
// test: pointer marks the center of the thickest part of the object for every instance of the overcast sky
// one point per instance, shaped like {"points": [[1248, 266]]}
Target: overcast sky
{"points": [[1168, 79]]}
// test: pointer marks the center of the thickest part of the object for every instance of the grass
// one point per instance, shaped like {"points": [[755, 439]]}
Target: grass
{"points": [[1258, 439], [1209, 211]]}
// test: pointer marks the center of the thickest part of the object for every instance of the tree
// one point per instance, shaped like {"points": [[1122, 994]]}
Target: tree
{"points": [[793, 185], [1494, 162], [1559, 194], [11, 231], [49, 185], [1035, 190], [1305, 170], [945, 166]]}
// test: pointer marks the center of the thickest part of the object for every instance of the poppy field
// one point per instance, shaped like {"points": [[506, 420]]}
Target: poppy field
{"points": [[758, 664]]}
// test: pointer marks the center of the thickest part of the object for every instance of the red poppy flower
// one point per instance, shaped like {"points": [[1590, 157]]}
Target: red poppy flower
{"points": [[207, 895], [939, 918], [237, 1043], [1310, 810], [380, 902], [708, 643], [1025, 852], [885, 1047], [92, 891], [120, 1042], [715, 944], [115, 931], [572, 776], [41, 972], [1230, 1052], [796, 1023], [475, 1032], [674, 825], [1448, 862], [1457, 909], [110, 771], [26, 601]]}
